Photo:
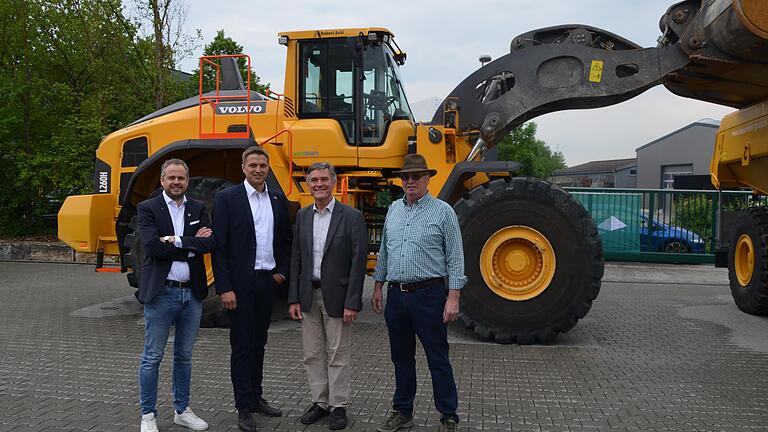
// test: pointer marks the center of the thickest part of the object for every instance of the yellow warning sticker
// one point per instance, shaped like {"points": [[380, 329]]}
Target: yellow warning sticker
{"points": [[596, 71]]}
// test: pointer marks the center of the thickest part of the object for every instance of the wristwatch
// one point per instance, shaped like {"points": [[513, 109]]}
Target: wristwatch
{"points": [[166, 239]]}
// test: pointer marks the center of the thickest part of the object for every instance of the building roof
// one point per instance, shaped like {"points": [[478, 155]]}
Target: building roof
{"points": [[594, 167], [707, 122]]}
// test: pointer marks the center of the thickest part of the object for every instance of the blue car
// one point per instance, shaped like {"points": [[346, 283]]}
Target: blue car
{"points": [[669, 238]]}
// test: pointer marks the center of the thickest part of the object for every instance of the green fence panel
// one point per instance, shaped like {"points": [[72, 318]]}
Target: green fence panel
{"points": [[658, 225], [617, 217]]}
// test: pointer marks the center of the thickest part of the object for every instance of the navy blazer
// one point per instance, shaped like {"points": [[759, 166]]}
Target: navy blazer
{"points": [[235, 253], [342, 271], [155, 222]]}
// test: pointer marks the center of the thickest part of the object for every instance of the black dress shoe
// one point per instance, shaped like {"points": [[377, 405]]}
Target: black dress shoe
{"points": [[263, 407], [245, 421], [313, 414], [338, 419]]}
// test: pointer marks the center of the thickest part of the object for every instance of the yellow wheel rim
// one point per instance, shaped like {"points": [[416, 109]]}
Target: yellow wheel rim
{"points": [[517, 263], [744, 260]]}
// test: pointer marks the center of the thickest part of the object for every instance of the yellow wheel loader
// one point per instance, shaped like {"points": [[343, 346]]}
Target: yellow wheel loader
{"points": [[533, 254]]}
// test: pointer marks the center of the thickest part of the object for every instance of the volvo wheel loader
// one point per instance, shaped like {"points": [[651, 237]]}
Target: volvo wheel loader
{"points": [[533, 254]]}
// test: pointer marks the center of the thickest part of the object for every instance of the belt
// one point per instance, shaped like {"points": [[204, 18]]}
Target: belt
{"points": [[315, 283], [413, 286], [176, 284]]}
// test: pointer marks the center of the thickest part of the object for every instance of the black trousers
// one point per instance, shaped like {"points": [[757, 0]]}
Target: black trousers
{"points": [[249, 323]]}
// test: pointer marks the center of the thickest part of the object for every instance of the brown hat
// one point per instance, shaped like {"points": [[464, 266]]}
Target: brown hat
{"points": [[414, 163]]}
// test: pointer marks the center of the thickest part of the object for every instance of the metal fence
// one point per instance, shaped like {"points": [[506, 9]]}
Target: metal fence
{"points": [[660, 225]]}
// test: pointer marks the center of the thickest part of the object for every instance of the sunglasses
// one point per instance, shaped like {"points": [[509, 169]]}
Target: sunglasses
{"points": [[412, 176]]}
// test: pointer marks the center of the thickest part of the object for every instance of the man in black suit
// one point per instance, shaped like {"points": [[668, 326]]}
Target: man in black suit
{"points": [[175, 233], [253, 239], [328, 259]]}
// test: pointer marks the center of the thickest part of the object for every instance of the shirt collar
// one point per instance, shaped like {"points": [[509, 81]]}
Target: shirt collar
{"points": [[169, 201], [421, 200], [329, 207], [249, 190]]}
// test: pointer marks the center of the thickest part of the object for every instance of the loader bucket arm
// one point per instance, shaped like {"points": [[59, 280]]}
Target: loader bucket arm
{"points": [[554, 69], [715, 51]]}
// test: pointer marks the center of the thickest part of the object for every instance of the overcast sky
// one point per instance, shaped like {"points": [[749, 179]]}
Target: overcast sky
{"points": [[443, 40]]}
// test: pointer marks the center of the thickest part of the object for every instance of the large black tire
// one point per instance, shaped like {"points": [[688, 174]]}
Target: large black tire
{"points": [[751, 296], [576, 251], [133, 257]]}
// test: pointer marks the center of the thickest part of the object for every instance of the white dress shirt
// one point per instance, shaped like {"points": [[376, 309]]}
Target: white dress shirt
{"points": [[320, 224], [179, 269], [263, 224]]}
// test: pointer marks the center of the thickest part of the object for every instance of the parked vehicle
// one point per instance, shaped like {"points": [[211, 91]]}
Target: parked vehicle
{"points": [[668, 238]]}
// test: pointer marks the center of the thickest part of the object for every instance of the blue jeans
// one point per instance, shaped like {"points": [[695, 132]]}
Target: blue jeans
{"points": [[420, 313], [180, 308]]}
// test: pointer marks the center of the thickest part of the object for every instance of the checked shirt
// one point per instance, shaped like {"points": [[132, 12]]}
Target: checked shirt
{"points": [[421, 241]]}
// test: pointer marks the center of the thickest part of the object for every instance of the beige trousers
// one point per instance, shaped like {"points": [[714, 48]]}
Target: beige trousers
{"points": [[326, 343]]}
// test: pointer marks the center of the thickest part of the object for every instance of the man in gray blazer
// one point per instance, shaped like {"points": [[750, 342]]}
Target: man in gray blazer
{"points": [[328, 260]]}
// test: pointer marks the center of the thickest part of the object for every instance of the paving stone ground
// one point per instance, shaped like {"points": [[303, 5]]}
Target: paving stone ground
{"points": [[650, 356]]}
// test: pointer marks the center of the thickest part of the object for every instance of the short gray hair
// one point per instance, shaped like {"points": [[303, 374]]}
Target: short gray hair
{"points": [[170, 162], [321, 166]]}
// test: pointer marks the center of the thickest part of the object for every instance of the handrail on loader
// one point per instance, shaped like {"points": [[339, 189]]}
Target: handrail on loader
{"points": [[218, 97]]}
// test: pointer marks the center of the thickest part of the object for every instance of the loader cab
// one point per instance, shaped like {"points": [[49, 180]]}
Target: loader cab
{"points": [[352, 76]]}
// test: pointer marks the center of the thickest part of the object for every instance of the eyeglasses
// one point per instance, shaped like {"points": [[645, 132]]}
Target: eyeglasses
{"points": [[412, 176]]}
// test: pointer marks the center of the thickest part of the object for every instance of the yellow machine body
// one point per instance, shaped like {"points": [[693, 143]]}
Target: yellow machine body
{"points": [[741, 150], [88, 222]]}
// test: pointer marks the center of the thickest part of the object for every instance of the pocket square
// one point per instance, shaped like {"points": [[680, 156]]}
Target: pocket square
{"points": [[194, 222]]}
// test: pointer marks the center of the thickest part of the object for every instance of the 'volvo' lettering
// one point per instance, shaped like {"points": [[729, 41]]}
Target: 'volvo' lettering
{"points": [[256, 108]]}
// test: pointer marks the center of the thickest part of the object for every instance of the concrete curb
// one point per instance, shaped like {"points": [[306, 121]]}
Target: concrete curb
{"points": [[39, 251]]}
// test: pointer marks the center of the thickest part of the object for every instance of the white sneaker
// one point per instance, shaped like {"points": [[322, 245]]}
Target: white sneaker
{"points": [[189, 419], [149, 423]]}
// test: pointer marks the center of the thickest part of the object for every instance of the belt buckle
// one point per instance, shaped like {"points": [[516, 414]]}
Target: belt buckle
{"points": [[402, 287]]}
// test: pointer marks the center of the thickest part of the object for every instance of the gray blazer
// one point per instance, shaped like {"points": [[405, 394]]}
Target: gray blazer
{"points": [[344, 259]]}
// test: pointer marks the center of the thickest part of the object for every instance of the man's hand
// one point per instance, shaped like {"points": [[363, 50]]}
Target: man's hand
{"points": [[229, 300], [279, 279], [349, 315], [171, 239], [294, 311], [451, 310], [204, 232], [377, 300]]}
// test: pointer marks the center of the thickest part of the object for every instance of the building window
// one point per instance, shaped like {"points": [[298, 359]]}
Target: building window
{"points": [[668, 173]]}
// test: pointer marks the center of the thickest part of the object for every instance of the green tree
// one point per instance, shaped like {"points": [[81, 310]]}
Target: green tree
{"points": [[164, 21], [71, 71], [537, 159], [220, 45]]}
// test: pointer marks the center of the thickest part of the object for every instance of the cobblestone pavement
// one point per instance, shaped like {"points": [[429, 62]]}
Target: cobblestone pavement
{"points": [[649, 356]]}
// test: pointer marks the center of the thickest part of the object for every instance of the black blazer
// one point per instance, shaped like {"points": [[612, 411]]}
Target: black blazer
{"points": [[236, 238], [344, 257], [155, 222]]}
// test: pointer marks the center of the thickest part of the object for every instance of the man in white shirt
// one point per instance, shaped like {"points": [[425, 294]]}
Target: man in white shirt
{"points": [[328, 259], [253, 236], [175, 233]]}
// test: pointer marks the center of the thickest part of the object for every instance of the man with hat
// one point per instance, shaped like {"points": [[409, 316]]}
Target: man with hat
{"points": [[422, 257]]}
